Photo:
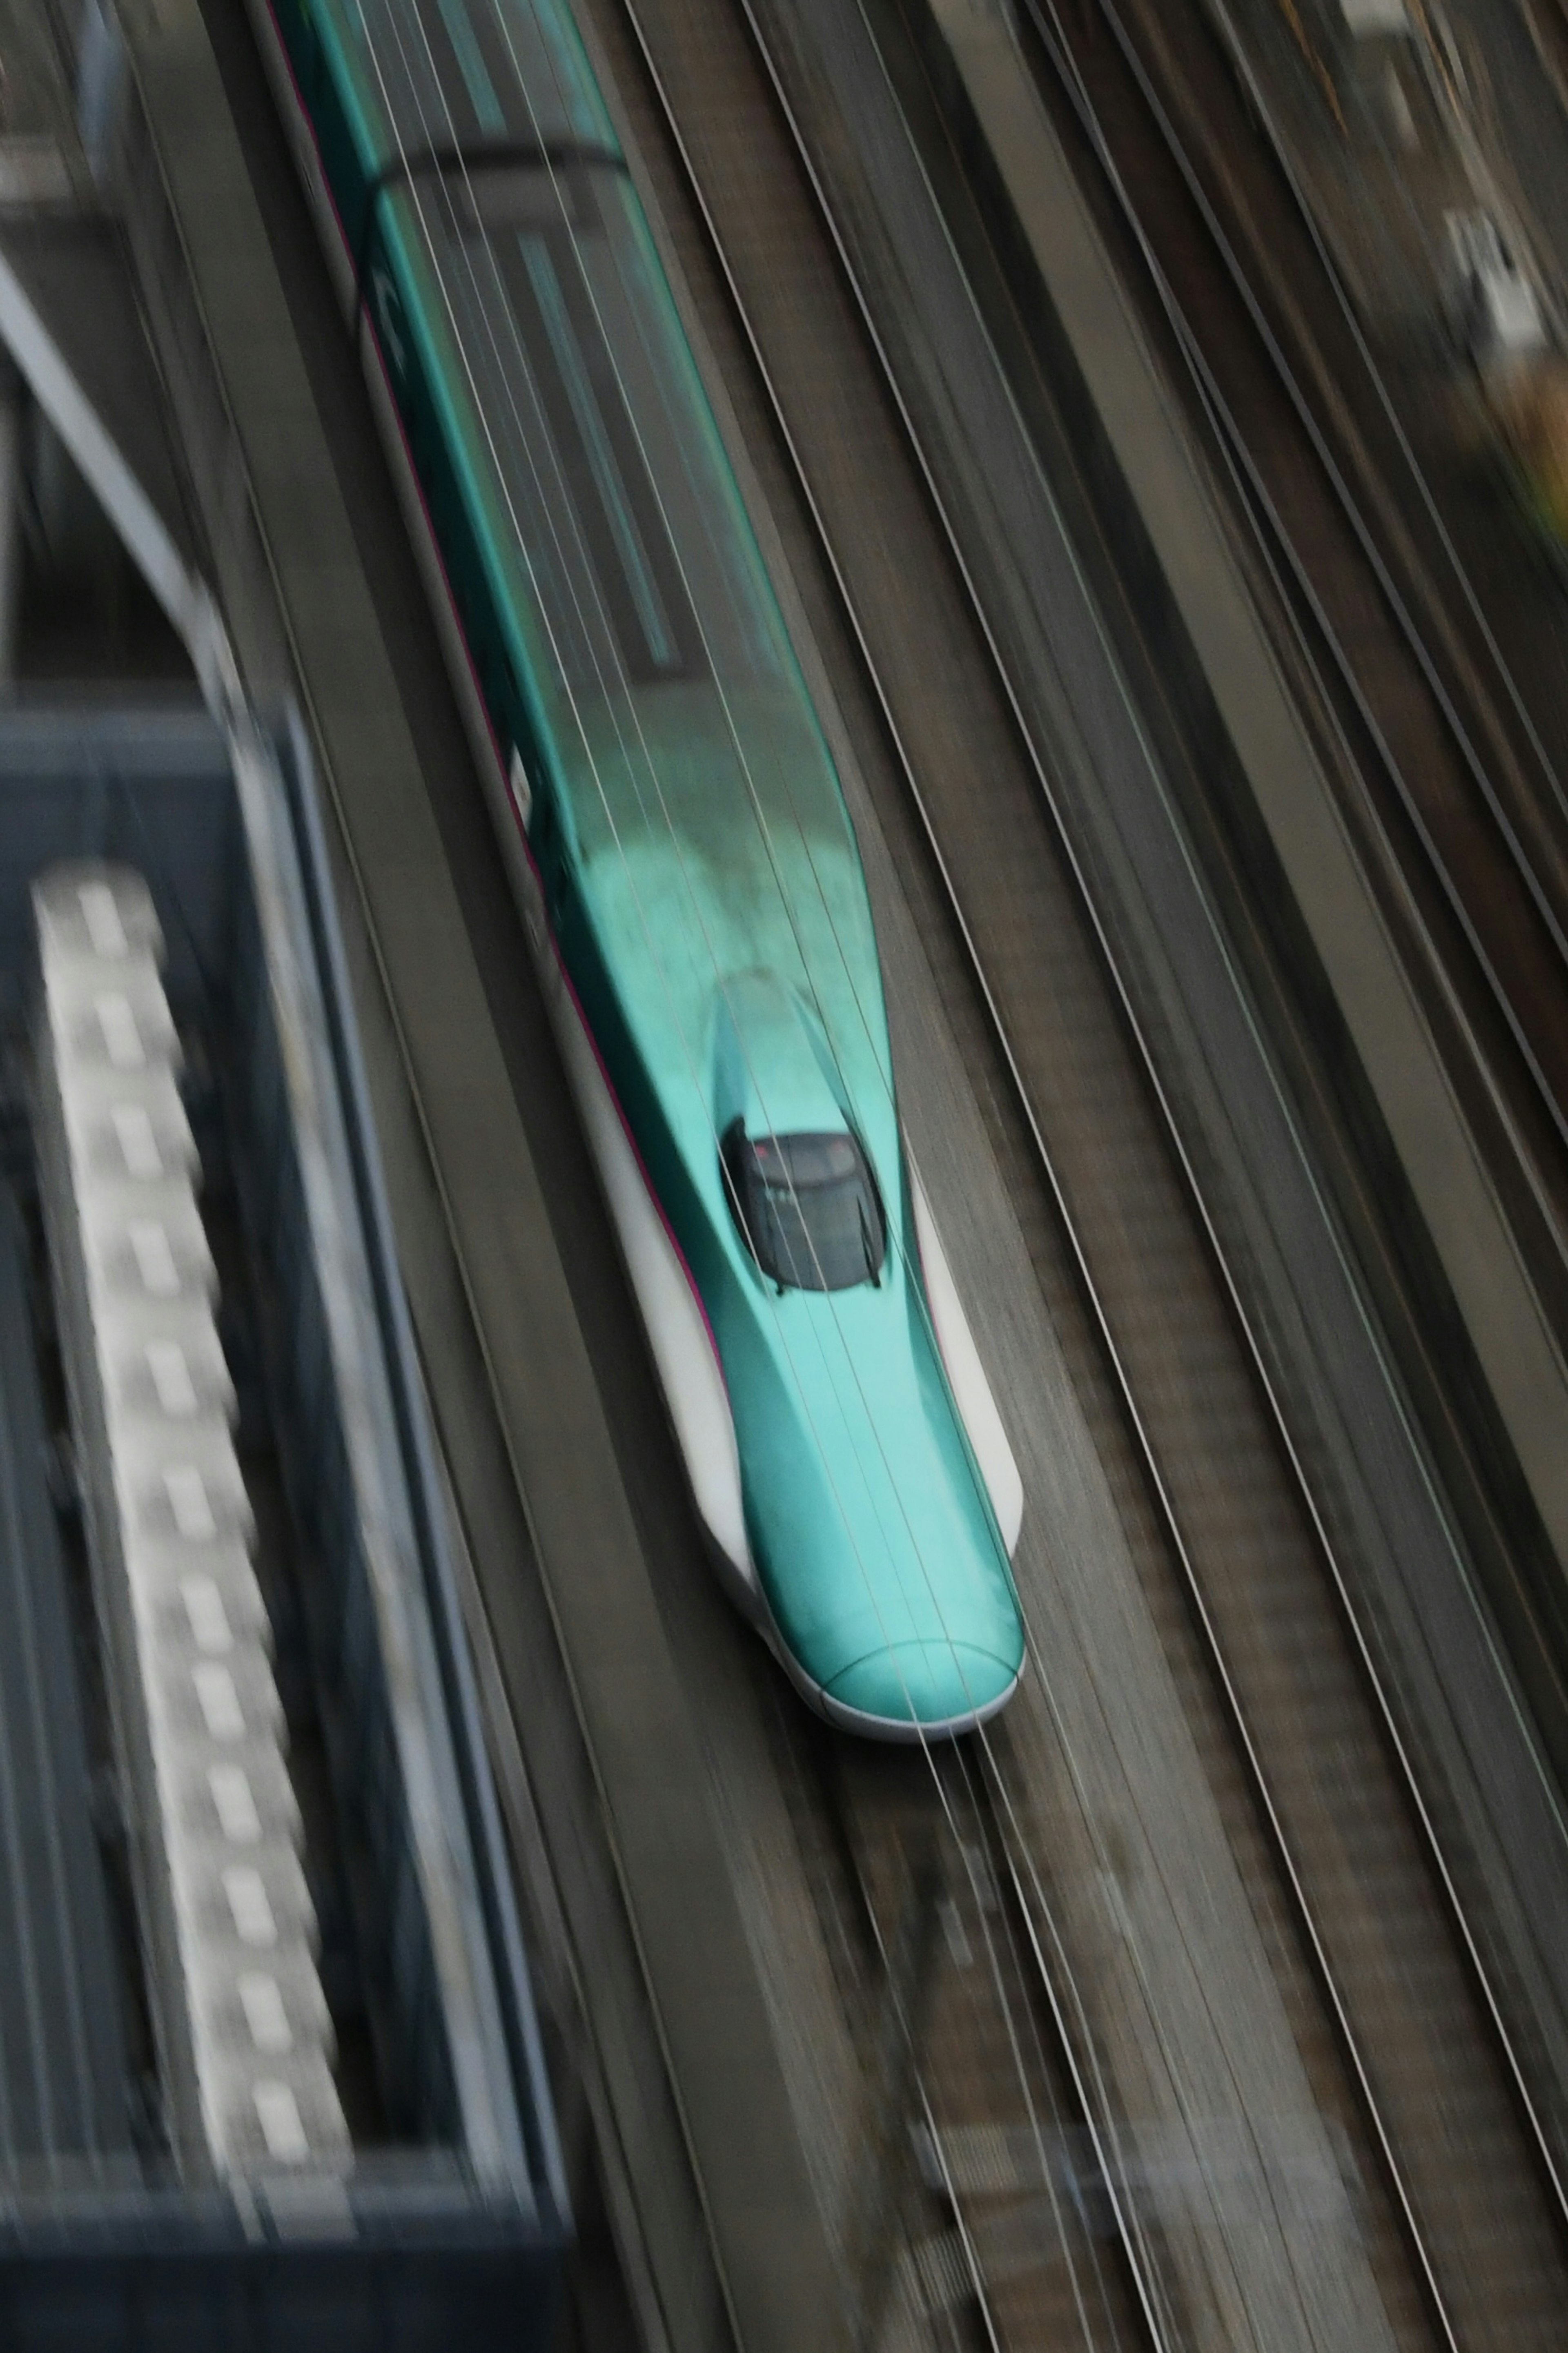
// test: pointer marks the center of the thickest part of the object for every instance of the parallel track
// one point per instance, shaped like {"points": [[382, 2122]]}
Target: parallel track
{"points": [[1462, 801], [1461, 2217]]}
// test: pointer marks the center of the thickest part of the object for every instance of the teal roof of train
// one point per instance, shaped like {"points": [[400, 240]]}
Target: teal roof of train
{"points": [[724, 916], [516, 68]]}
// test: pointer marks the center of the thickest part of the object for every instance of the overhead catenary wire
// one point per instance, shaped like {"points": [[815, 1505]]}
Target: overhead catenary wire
{"points": [[690, 1055], [870, 1592], [1100, 2112], [1319, 1532], [1112, 2164], [599, 782], [1274, 550], [1057, 47], [1059, 51], [1122, 2199], [759, 1090]]}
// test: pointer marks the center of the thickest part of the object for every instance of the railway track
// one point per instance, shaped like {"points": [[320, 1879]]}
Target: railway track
{"points": [[1019, 2185], [993, 2207], [1457, 801]]}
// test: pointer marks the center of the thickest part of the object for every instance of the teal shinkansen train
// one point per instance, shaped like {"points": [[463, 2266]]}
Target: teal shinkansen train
{"points": [[677, 834]]}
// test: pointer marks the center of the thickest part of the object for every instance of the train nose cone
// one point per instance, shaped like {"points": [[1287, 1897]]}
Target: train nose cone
{"points": [[935, 1685]]}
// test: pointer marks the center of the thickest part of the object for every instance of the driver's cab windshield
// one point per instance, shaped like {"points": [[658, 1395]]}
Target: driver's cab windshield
{"points": [[806, 1207]]}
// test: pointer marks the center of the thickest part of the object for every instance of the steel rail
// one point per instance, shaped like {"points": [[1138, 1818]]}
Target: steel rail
{"points": [[1052, 41], [1098, 1314], [987, 1826], [1329, 1555], [1144, 2287], [1326, 1550], [1288, 574], [992, 1812], [907, 2031]]}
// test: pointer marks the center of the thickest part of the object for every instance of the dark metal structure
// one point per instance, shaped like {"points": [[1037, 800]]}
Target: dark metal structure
{"points": [[450, 2222]]}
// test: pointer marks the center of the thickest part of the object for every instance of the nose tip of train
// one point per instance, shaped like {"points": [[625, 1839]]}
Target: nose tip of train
{"points": [[914, 1691]]}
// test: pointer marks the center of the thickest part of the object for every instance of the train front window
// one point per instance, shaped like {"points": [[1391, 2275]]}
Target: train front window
{"points": [[806, 1207]]}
